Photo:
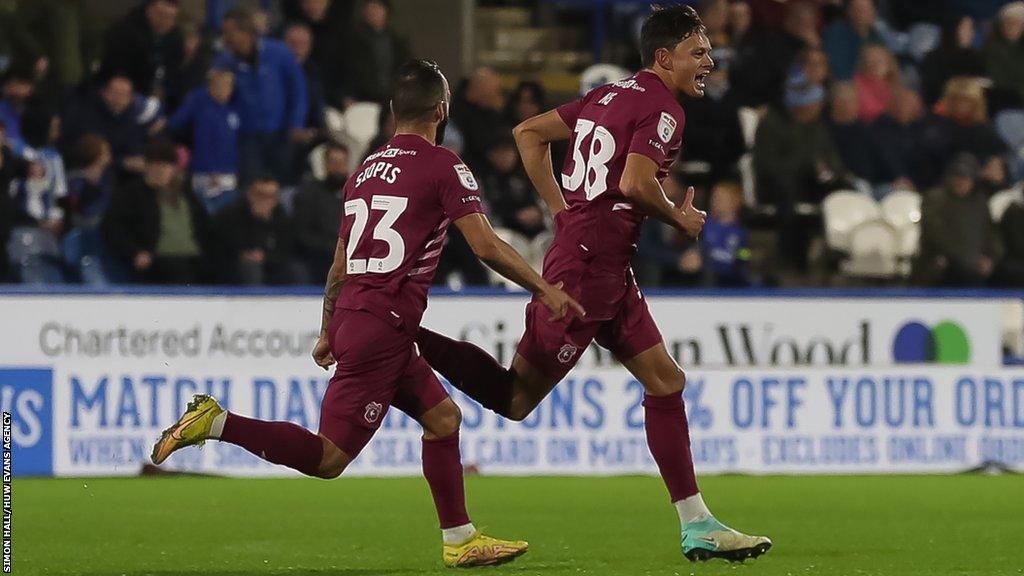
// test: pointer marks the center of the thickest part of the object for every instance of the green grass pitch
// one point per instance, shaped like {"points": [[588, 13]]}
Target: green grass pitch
{"points": [[899, 526]]}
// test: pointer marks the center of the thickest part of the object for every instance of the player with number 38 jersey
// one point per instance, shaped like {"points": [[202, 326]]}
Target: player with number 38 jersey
{"points": [[622, 139], [638, 115]]}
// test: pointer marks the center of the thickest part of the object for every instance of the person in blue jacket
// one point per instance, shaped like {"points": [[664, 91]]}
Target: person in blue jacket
{"points": [[211, 121], [270, 92]]}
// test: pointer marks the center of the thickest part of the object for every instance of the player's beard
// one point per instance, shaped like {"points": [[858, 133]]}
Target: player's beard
{"points": [[439, 136]]}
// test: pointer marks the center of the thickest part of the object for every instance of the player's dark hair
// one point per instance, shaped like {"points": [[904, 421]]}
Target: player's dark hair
{"points": [[419, 86], [666, 27]]}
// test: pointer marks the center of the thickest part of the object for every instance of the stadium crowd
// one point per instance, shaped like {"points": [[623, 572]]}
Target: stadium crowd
{"points": [[200, 150]]}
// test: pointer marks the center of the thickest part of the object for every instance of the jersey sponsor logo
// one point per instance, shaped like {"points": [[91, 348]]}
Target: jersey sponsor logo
{"points": [[607, 98], [566, 353], [466, 177], [666, 127], [655, 144], [373, 410], [631, 84]]}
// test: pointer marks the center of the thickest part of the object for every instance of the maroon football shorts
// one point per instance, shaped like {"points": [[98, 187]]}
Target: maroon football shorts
{"points": [[378, 367], [617, 316]]}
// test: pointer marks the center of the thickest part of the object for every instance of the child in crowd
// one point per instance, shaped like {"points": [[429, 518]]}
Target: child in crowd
{"points": [[725, 242], [41, 192], [212, 121]]}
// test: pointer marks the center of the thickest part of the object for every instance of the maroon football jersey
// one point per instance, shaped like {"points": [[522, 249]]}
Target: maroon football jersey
{"points": [[398, 206], [637, 115]]}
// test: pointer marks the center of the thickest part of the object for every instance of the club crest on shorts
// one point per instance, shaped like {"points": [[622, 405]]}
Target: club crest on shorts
{"points": [[666, 127], [373, 410], [466, 177], [566, 353]]}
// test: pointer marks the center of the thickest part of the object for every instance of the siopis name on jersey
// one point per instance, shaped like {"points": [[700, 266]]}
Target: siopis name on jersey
{"points": [[383, 170]]}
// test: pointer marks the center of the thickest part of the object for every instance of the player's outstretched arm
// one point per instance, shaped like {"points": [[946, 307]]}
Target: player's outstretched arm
{"points": [[504, 260], [534, 138], [335, 279], [640, 184]]}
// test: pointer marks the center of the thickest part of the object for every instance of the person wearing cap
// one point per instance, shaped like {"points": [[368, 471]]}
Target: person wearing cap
{"points": [[795, 161], [1004, 51], [155, 225], [959, 244]]}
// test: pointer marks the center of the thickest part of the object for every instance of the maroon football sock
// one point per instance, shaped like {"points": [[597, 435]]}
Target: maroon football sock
{"points": [[442, 467], [668, 438], [282, 443], [473, 371]]}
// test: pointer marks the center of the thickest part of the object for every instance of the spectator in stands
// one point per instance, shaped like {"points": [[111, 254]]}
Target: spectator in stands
{"points": [[854, 139], [18, 87], [147, 47], [512, 202], [813, 63], [795, 161], [1010, 272], [763, 60], [1004, 51], [956, 55], [108, 113], [962, 122], [385, 130], [255, 237], [90, 181], [877, 75], [477, 111], [374, 54], [526, 101], [329, 22], [12, 166], [664, 256], [300, 41], [155, 225], [197, 55], [844, 38], [41, 194], [210, 121], [270, 91], [317, 213], [959, 245], [713, 135], [904, 144], [725, 246]]}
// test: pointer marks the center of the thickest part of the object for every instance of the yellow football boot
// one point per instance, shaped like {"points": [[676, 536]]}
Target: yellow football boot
{"points": [[191, 429], [482, 550]]}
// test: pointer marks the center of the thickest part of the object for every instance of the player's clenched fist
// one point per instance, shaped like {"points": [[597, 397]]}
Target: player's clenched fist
{"points": [[322, 353], [691, 220], [559, 303]]}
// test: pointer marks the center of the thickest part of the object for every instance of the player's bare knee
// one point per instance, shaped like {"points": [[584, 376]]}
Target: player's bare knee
{"points": [[668, 382], [521, 407], [445, 420], [333, 462]]}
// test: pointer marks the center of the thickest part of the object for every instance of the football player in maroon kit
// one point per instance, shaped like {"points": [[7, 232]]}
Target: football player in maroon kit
{"points": [[622, 139], [398, 206]]}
